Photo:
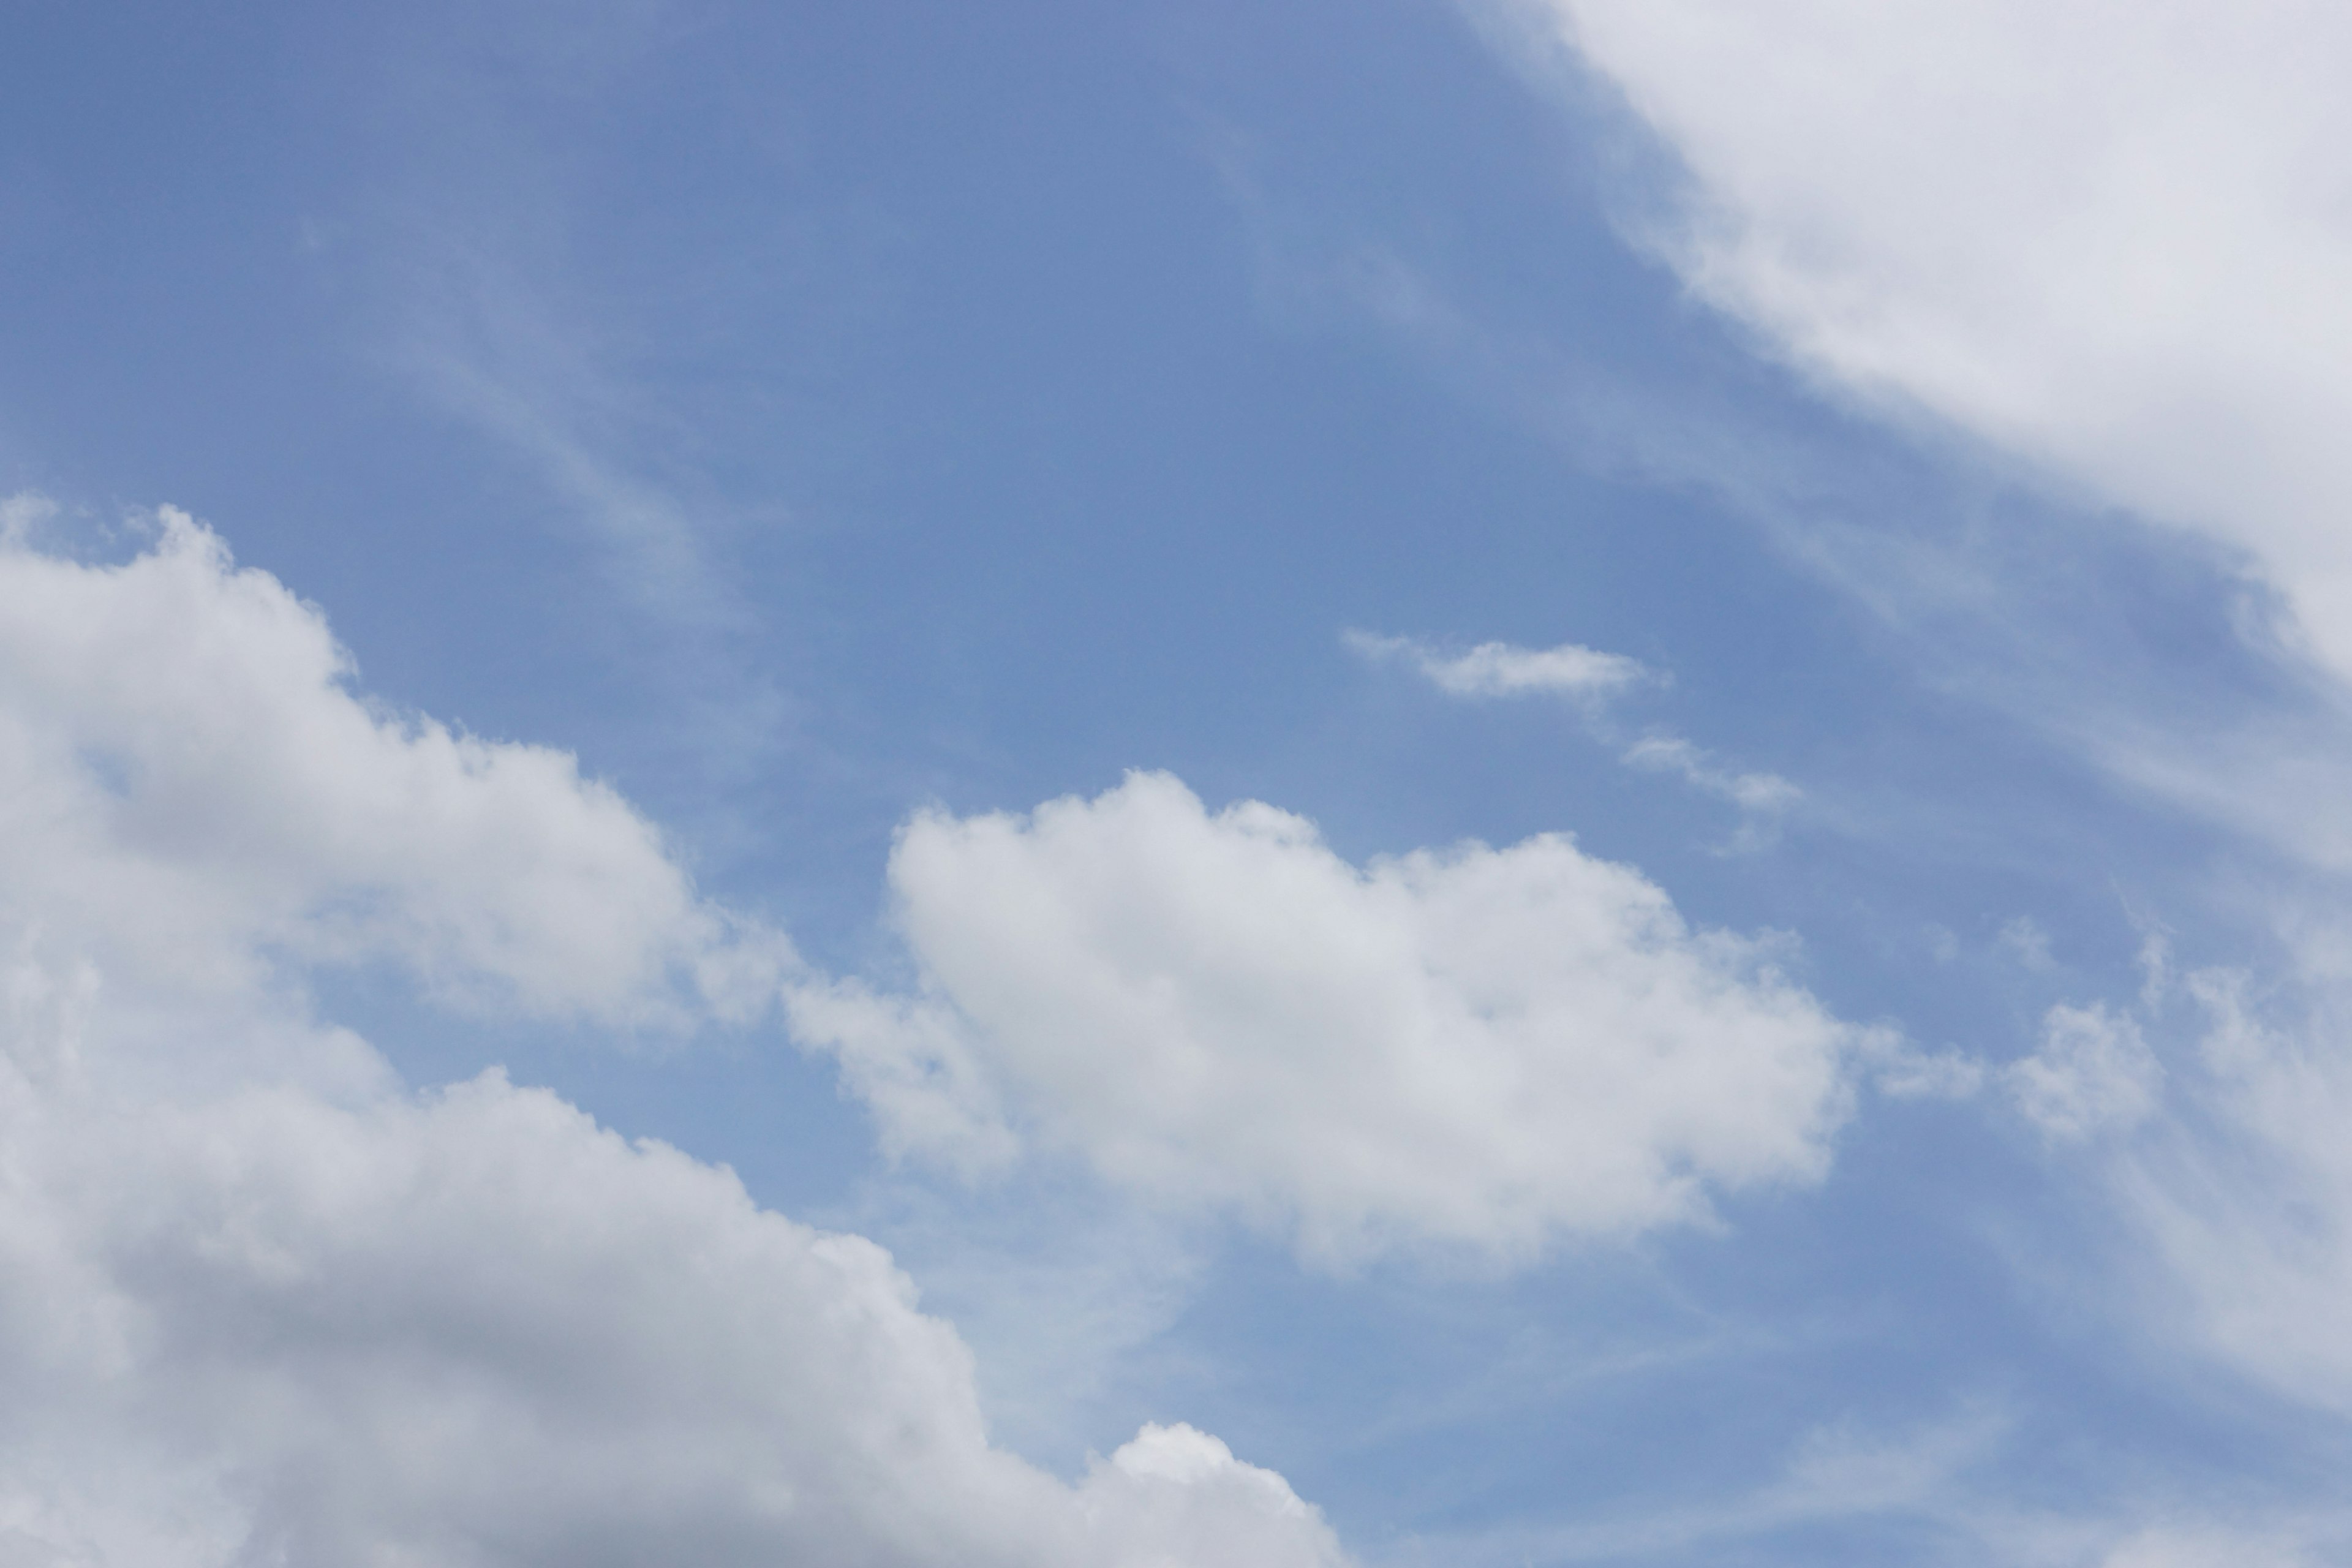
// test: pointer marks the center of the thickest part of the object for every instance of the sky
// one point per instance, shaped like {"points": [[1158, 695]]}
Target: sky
{"points": [[1485, 782]]}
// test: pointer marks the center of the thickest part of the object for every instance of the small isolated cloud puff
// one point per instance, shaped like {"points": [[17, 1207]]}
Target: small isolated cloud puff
{"points": [[260, 1303], [2093, 1073], [1474, 1048], [1500, 670], [1588, 678], [2117, 252], [2024, 940], [1761, 793]]}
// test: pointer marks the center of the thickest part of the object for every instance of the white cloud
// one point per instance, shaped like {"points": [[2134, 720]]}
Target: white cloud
{"points": [[478, 1328], [2249, 1204], [1479, 1048], [1502, 669], [190, 778], [2110, 241], [1184, 1493], [2093, 1073], [1588, 678], [2238, 1185], [258, 1303], [1762, 793]]}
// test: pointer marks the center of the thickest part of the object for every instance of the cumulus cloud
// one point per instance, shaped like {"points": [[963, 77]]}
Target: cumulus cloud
{"points": [[2114, 251], [191, 778], [1474, 1048], [1503, 669], [476, 1328], [260, 1302]]}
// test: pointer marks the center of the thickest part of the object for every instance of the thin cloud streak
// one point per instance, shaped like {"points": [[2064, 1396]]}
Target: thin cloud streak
{"points": [[1502, 669], [1590, 680]]}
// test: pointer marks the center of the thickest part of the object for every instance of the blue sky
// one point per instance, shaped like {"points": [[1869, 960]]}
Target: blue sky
{"points": [[832, 515]]}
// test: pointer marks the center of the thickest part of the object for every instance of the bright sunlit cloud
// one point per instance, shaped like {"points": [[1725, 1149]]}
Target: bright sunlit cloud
{"points": [[1476, 1047], [834, 957], [2115, 253], [261, 1300]]}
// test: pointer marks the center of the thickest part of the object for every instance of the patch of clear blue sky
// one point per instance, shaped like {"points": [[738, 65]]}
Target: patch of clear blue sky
{"points": [[809, 412]]}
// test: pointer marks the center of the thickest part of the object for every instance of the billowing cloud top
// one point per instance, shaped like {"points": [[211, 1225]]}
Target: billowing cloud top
{"points": [[261, 1303], [192, 780], [1478, 1048]]}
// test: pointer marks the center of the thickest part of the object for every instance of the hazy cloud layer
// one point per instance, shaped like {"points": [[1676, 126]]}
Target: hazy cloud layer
{"points": [[2092, 1072], [2246, 1192], [1476, 1047], [258, 1303]]}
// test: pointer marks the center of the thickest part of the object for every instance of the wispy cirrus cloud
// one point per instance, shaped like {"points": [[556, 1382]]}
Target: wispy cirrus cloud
{"points": [[1591, 680], [1938, 1483], [2112, 262], [1761, 793]]}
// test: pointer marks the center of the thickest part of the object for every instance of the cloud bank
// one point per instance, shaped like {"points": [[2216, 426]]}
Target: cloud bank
{"points": [[1757, 792], [260, 1302], [2109, 241], [1474, 1048]]}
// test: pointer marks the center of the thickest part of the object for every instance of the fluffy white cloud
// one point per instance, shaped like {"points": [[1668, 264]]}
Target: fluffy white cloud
{"points": [[1503, 669], [1475, 1047], [189, 778], [271, 1325], [258, 1303], [2109, 239]]}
